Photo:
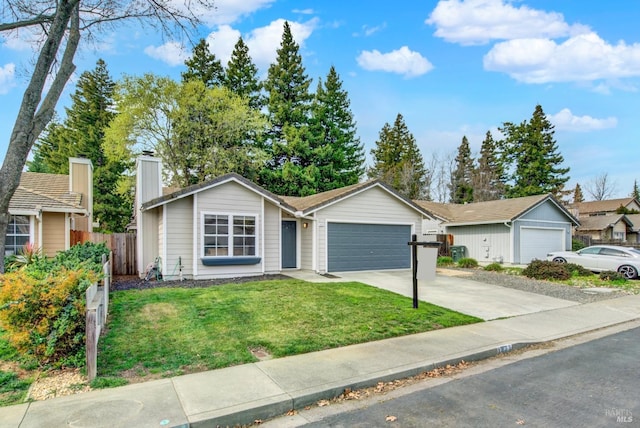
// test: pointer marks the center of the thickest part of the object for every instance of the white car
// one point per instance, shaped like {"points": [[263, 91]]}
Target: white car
{"points": [[599, 258]]}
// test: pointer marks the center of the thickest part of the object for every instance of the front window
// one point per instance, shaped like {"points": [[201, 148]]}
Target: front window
{"points": [[229, 235], [17, 234]]}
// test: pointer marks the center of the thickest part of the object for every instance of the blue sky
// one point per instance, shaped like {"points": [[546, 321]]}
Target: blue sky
{"points": [[451, 68]]}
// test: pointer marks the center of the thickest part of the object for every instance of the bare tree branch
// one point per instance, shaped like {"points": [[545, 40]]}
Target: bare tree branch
{"points": [[600, 187]]}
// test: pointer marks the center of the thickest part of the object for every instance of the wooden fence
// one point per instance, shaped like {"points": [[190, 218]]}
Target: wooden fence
{"points": [[123, 246], [96, 316], [587, 240]]}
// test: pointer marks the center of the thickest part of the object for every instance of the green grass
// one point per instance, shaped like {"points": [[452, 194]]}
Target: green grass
{"points": [[169, 331], [13, 388]]}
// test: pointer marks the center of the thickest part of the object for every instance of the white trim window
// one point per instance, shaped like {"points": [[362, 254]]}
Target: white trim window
{"points": [[229, 235], [18, 234]]}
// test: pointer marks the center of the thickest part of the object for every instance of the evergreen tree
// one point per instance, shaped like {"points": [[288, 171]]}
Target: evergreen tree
{"points": [[242, 76], [337, 151], [577, 194], [635, 193], [204, 66], [290, 171], [532, 154], [489, 175], [397, 160], [82, 134], [461, 179]]}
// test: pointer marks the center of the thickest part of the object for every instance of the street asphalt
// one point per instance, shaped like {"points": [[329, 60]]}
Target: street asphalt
{"points": [[265, 389]]}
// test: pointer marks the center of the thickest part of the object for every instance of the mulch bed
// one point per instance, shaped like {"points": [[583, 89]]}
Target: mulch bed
{"points": [[121, 283]]}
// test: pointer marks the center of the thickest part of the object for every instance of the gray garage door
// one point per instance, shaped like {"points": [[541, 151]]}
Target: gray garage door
{"points": [[535, 243], [368, 247]]}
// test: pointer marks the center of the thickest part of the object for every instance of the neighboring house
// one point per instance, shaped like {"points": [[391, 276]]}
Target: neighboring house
{"points": [[605, 207], [606, 227], [633, 234], [45, 207], [230, 227], [514, 230], [601, 220]]}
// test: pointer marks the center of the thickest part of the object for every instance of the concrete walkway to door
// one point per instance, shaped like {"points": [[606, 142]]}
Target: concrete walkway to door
{"points": [[460, 294]]}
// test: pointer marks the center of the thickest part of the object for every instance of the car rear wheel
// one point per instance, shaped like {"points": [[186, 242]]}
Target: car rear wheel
{"points": [[559, 260], [628, 272]]}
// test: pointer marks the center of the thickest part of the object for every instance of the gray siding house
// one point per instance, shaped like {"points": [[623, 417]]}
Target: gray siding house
{"points": [[513, 231], [230, 227]]}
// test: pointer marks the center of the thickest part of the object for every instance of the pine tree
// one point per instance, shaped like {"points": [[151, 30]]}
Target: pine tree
{"points": [[533, 155], [242, 76], [461, 179], [204, 66], [577, 194], [290, 171], [82, 134], [397, 160], [635, 193], [488, 176], [337, 151]]}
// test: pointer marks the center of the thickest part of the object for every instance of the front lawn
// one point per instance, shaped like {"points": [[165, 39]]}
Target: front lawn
{"points": [[170, 331]]}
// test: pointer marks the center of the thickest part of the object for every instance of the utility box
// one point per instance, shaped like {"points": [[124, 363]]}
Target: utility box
{"points": [[458, 252]]}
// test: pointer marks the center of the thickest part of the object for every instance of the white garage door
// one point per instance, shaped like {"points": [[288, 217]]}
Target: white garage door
{"points": [[535, 243]]}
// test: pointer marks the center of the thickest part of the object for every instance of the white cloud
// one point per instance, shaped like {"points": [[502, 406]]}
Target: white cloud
{"points": [[7, 77], [474, 22], [172, 53], [262, 42], [564, 120], [23, 39], [221, 43], [401, 61], [369, 31], [585, 57], [304, 11], [226, 11]]}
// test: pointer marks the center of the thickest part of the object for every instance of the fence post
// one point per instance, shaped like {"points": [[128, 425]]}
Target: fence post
{"points": [[91, 345]]}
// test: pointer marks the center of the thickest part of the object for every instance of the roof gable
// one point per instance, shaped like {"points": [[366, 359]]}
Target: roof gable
{"points": [[219, 181], [309, 204]]}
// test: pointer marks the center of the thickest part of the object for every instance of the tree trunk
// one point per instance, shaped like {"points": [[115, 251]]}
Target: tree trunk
{"points": [[35, 113]]}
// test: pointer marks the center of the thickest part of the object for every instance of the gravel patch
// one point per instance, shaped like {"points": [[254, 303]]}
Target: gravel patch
{"points": [[551, 289]]}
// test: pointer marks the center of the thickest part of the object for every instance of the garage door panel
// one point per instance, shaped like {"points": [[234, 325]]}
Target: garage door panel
{"points": [[535, 243], [368, 247]]}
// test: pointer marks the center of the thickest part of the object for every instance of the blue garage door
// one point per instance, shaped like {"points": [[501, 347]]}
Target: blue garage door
{"points": [[368, 247]]}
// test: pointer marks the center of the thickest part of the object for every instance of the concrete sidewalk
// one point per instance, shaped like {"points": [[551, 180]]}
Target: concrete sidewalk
{"points": [[242, 394]]}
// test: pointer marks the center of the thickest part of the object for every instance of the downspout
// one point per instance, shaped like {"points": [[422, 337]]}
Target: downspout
{"points": [[512, 240]]}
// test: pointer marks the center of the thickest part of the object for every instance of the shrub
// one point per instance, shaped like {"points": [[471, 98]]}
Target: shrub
{"points": [[610, 275], [543, 269], [467, 262], [494, 267], [577, 244], [45, 318], [444, 261], [42, 304], [577, 270]]}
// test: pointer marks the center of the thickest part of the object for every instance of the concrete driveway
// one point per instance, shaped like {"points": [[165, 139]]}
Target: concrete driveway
{"points": [[470, 297]]}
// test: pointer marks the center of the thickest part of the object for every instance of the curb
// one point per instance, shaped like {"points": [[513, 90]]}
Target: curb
{"points": [[279, 408]]}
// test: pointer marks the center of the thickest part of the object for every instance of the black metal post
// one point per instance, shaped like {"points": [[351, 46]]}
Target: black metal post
{"points": [[414, 254]]}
